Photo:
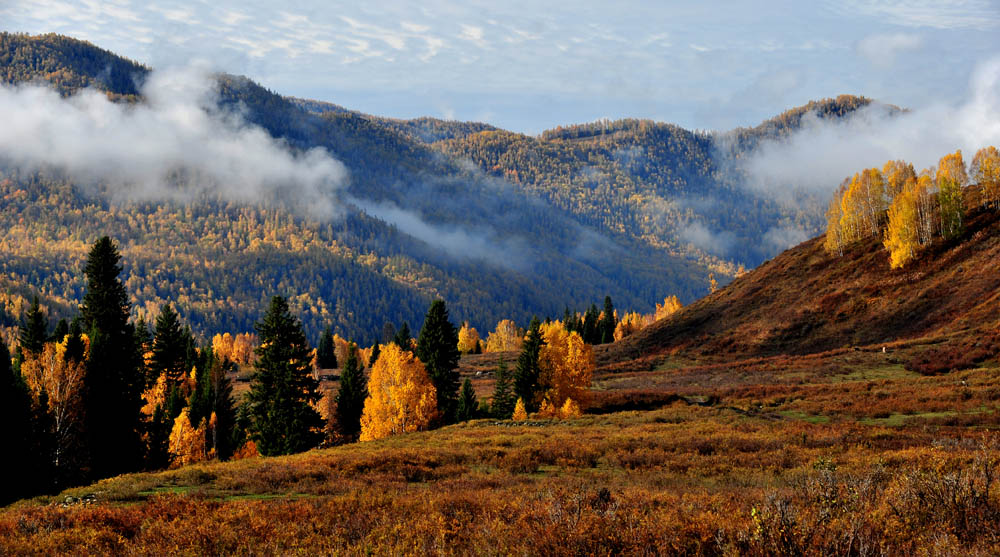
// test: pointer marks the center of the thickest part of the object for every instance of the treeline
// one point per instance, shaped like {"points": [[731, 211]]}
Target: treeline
{"points": [[102, 394], [909, 210]]}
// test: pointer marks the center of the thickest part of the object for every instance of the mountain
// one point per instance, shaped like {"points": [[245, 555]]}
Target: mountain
{"points": [[501, 225], [942, 311]]}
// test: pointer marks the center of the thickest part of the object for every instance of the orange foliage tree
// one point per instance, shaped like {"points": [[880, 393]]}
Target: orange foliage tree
{"points": [[189, 444], [61, 380], [985, 170], [401, 397]]}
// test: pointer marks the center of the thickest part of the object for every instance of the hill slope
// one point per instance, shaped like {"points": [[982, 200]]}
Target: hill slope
{"points": [[806, 301]]}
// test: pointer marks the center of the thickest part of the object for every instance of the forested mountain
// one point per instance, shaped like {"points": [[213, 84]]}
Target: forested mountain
{"points": [[533, 225]]}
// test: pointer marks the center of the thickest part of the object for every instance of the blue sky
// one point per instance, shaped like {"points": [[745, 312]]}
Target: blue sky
{"points": [[529, 66]]}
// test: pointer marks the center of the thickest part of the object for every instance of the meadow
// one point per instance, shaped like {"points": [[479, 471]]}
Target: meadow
{"points": [[845, 452]]}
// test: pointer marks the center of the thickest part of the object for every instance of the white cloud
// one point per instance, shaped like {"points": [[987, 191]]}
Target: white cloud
{"points": [[883, 49], [137, 152], [937, 14]]}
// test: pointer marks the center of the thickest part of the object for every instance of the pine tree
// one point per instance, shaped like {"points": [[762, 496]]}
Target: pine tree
{"points": [[283, 390], [75, 348], [468, 406], [35, 330], [114, 382], [224, 408], [403, 338], [326, 356], [526, 371], [437, 348], [351, 397], [15, 435], [376, 352], [606, 326], [590, 332], [502, 404], [170, 345]]}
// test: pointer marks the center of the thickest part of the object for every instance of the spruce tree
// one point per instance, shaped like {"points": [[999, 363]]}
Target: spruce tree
{"points": [[75, 348], [351, 397], [590, 332], [606, 326], [60, 332], [437, 348], [376, 352], [326, 355], [403, 337], [468, 406], [227, 440], [15, 435], [502, 404], [35, 330], [114, 382], [526, 372], [283, 390], [170, 346]]}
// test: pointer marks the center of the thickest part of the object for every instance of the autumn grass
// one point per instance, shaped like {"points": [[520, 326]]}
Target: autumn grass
{"points": [[849, 456]]}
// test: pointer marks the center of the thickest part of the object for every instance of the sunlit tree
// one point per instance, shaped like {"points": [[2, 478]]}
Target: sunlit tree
{"points": [[401, 397]]}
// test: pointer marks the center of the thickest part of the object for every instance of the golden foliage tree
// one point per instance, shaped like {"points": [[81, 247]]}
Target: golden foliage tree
{"points": [[834, 218], [61, 379], [468, 337], [189, 444], [401, 397], [902, 234], [670, 305], [896, 174], [505, 338], [520, 414], [925, 193], [985, 170], [951, 177], [632, 323], [566, 364]]}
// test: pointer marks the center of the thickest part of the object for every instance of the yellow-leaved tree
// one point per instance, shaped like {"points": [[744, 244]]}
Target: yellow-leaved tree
{"points": [[401, 397], [520, 414], [632, 323], [189, 444], [61, 380], [985, 170], [468, 338], [897, 173], [566, 365], [902, 236], [670, 305], [505, 338]]}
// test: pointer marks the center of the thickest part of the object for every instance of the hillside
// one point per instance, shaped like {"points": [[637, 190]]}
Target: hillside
{"points": [[807, 301]]}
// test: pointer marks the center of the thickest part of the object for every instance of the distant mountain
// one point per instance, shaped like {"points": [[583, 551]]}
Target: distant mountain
{"points": [[634, 209]]}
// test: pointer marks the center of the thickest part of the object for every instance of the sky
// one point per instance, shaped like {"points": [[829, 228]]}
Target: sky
{"points": [[531, 66]]}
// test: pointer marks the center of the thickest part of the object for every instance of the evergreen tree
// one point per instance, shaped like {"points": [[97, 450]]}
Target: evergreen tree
{"points": [[376, 351], [388, 333], [158, 439], [590, 332], [227, 439], [75, 348], [35, 330], [169, 348], [326, 356], [403, 337], [468, 406], [607, 324], [60, 332], [526, 371], [351, 397], [437, 348], [283, 390], [15, 435], [502, 404], [114, 382], [43, 448]]}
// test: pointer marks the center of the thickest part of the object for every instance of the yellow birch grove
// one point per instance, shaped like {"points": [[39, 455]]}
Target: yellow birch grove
{"points": [[505, 338], [62, 381], [985, 170], [902, 234], [925, 193], [468, 337], [896, 174], [632, 323], [566, 365], [238, 349], [401, 397], [834, 215]]}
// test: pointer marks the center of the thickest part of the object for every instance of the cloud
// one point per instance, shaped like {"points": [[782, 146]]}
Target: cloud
{"points": [[176, 145], [883, 49], [716, 243], [460, 243], [818, 157], [937, 14], [780, 238]]}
